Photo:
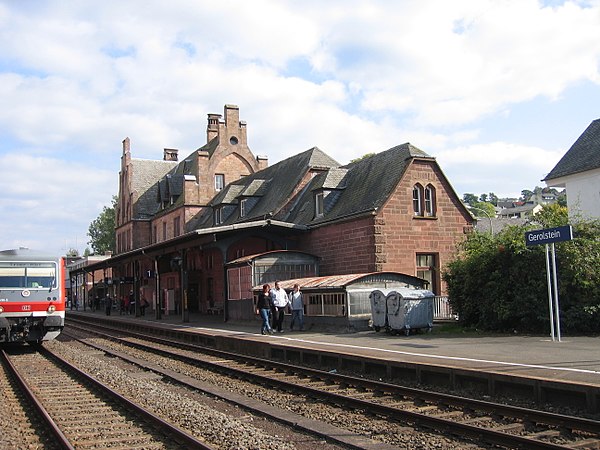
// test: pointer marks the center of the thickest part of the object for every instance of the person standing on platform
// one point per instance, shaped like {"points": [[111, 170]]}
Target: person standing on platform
{"points": [[143, 305], [297, 305], [108, 305], [131, 309], [263, 307], [280, 301]]}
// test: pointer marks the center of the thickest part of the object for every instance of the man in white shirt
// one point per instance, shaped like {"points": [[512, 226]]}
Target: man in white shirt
{"points": [[280, 301]]}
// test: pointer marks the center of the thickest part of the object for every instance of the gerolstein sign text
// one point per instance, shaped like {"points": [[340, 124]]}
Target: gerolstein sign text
{"points": [[549, 235]]}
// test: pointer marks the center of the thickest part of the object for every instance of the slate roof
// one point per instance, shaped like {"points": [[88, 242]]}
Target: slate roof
{"points": [[358, 188], [483, 224], [273, 187], [256, 188], [228, 195], [145, 173], [583, 155], [367, 184]]}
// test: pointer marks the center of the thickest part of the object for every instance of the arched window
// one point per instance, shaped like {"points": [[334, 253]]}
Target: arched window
{"points": [[424, 201], [430, 206], [418, 199]]}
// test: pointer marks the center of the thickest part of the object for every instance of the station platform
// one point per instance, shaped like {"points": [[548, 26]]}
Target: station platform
{"points": [[563, 371]]}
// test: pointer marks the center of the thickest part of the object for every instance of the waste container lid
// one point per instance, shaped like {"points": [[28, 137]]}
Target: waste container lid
{"points": [[411, 293]]}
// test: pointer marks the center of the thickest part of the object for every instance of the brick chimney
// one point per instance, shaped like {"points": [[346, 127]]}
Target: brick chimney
{"points": [[212, 130], [170, 154]]}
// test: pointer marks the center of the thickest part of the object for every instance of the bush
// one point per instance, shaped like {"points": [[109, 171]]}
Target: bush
{"points": [[497, 283]]}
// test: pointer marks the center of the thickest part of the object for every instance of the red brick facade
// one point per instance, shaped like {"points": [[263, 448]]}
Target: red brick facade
{"points": [[391, 239], [344, 247], [377, 229]]}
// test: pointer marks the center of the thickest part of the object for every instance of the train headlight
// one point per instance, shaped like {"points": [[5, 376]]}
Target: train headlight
{"points": [[1, 309], [51, 309]]}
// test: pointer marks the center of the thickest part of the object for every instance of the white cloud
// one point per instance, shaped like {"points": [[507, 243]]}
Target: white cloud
{"points": [[46, 201], [350, 77], [503, 167]]}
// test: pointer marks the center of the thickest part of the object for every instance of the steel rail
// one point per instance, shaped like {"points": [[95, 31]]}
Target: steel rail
{"points": [[491, 435], [61, 439], [498, 409], [180, 436]]}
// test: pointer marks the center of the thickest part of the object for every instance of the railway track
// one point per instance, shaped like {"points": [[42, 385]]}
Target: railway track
{"points": [[32, 431], [483, 422], [84, 413]]}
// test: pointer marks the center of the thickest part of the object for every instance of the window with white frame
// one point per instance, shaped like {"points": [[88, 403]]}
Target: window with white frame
{"points": [[424, 200], [319, 210], [243, 205], [219, 181], [218, 216], [418, 200], [430, 201], [427, 269]]}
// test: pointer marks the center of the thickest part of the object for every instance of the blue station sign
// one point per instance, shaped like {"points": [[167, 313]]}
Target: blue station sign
{"points": [[549, 235]]}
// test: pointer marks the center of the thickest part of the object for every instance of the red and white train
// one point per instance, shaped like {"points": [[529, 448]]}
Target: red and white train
{"points": [[32, 296]]}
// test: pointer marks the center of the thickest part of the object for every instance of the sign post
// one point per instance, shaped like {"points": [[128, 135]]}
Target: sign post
{"points": [[548, 237]]}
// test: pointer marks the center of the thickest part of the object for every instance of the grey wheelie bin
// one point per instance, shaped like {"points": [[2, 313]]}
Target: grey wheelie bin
{"points": [[409, 309], [378, 309]]}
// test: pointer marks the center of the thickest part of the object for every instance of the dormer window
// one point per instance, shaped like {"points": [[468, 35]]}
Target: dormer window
{"points": [[219, 181], [218, 216], [243, 206], [319, 210]]}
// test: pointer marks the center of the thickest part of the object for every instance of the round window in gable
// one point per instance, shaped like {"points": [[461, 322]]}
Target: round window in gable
{"points": [[233, 140]]}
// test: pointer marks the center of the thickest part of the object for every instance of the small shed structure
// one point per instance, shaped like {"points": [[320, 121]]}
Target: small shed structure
{"points": [[258, 269], [342, 301]]}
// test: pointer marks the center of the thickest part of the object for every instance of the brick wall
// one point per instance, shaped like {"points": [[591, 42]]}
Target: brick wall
{"points": [[404, 235], [247, 246], [391, 240], [346, 247]]}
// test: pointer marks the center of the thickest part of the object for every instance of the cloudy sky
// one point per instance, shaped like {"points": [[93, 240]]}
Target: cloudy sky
{"points": [[496, 90]]}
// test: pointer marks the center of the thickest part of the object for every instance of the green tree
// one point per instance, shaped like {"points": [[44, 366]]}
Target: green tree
{"points": [[482, 209], [72, 253], [102, 230], [470, 199], [553, 215], [493, 199], [526, 195], [562, 198], [365, 156], [497, 283]]}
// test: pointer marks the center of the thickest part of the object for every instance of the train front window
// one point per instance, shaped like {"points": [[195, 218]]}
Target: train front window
{"points": [[24, 276], [40, 277]]}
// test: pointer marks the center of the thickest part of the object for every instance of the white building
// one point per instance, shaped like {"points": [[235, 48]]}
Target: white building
{"points": [[578, 172]]}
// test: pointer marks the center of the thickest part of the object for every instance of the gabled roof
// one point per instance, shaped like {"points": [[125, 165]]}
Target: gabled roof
{"points": [[368, 183], [145, 173], [209, 147], [272, 186], [583, 155]]}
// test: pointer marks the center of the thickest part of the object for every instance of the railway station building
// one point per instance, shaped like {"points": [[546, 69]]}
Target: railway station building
{"points": [[183, 224]]}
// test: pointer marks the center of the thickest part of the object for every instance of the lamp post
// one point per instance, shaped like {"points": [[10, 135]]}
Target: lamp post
{"points": [[487, 215]]}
